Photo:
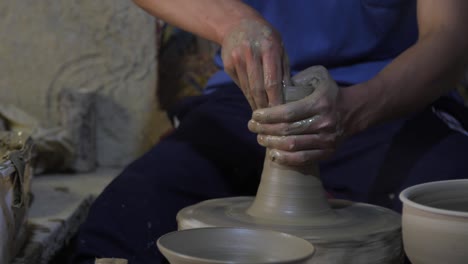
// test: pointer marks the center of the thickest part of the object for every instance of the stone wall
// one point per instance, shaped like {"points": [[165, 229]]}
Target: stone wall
{"points": [[107, 46]]}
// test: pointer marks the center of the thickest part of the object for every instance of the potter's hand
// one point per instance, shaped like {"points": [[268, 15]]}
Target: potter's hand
{"points": [[254, 57], [303, 131]]}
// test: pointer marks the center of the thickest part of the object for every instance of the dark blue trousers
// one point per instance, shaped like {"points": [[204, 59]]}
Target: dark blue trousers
{"points": [[212, 154]]}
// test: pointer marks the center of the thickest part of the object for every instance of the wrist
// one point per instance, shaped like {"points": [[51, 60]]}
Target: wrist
{"points": [[359, 107], [243, 16]]}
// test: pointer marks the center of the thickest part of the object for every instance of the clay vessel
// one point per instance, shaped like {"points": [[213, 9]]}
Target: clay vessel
{"points": [[435, 222], [233, 245]]}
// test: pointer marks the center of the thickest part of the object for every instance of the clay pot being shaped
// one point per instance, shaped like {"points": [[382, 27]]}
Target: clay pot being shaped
{"points": [[435, 222], [233, 245]]}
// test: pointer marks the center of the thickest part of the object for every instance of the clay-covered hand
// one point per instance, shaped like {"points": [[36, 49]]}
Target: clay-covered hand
{"points": [[254, 57], [300, 132]]}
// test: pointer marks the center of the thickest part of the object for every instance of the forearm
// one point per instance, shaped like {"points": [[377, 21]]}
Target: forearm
{"points": [[417, 77], [210, 19]]}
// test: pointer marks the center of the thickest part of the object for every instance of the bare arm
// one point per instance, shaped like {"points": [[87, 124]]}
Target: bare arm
{"points": [[252, 50], [210, 19], [309, 129], [421, 74]]}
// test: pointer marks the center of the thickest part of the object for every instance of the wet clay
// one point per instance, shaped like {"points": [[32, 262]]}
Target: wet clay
{"points": [[436, 210], [292, 200], [290, 196], [233, 245]]}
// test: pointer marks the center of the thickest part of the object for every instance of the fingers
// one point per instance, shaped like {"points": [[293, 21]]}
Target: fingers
{"points": [[298, 143], [255, 76], [313, 125], [272, 71], [286, 69], [289, 112], [241, 74], [320, 101], [299, 158], [300, 132], [252, 54]]}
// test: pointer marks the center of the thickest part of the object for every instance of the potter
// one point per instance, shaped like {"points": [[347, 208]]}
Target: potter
{"points": [[383, 130]]}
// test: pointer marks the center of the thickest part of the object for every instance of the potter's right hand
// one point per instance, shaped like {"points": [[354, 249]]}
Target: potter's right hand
{"points": [[254, 57]]}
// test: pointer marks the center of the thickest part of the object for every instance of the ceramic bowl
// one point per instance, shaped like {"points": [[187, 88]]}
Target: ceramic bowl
{"points": [[218, 245], [435, 222]]}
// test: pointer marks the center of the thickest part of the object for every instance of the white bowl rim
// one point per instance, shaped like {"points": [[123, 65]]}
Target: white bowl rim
{"points": [[205, 260], [406, 201]]}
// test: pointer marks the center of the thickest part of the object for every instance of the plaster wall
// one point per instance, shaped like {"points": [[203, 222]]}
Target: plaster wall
{"points": [[107, 46]]}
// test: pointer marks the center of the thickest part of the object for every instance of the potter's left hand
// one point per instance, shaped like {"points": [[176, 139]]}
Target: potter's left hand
{"points": [[300, 132]]}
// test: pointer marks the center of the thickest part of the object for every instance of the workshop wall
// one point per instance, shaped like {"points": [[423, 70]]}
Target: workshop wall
{"points": [[107, 46]]}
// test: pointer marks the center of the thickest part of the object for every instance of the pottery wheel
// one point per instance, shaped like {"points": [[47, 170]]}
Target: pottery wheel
{"points": [[351, 222], [360, 233], [292, 200]]}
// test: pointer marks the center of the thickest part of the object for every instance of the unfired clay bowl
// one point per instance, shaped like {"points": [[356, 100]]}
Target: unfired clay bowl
{"points": [[221, 245], [435, 222]]}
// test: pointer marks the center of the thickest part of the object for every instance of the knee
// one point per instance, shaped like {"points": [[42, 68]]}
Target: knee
{"points": [[173, 166]]}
